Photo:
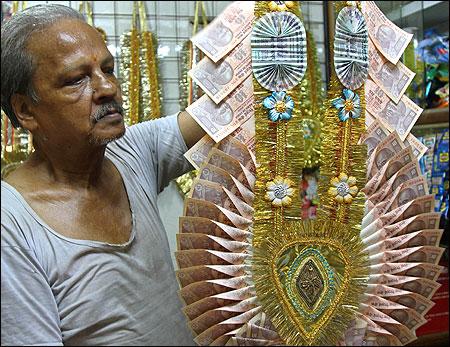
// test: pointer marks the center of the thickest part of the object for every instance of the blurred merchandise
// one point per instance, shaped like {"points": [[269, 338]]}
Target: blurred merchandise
{"points": [[436, 165], [414, 62], [308, 193], [433, 50]]}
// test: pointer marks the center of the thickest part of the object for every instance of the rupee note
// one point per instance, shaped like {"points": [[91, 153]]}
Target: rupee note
{"points": [[220, 120], [385, 150], [206, 209], [408, 172], [396, 163], [388, 38], [238, 150], [219, 79], [410, 240], [392, 79], [198, 153], [205, 241], [414, 301], [199, 273], [418, 148], [425, 270], [189, 224], [399, 116], [374, 134], [408, 191], [227, 30], [425, 254], [212, 192], [195, 257]]}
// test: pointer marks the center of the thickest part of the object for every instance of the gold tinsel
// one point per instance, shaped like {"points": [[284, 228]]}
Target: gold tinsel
{"points": [[340, 246], [311, 97], [139, 71], [279, 146], [280, 150], [343, 154]]}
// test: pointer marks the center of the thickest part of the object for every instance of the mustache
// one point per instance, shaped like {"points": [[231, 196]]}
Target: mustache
{"points": [[106, 109]]}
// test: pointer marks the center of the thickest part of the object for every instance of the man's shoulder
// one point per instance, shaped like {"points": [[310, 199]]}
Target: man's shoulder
{"points": [[13, 224], [10, 196]]}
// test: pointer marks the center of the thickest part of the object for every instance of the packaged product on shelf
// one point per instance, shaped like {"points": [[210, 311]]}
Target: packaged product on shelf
{"points": [[440, 167], [426, 162]]}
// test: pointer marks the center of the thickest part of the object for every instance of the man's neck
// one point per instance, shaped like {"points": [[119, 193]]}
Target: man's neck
{"points": [[78, 171]]}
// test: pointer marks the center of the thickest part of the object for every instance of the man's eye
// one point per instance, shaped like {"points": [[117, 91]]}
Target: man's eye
{"points": [[74, 81], [110, 71]]}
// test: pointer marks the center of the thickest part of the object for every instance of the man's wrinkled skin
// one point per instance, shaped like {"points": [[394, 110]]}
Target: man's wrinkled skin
{"points": [[67, 180]]}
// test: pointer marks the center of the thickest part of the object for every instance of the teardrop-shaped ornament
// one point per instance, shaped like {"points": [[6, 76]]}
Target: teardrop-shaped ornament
{"points": [[351, 60], [279, 51]]}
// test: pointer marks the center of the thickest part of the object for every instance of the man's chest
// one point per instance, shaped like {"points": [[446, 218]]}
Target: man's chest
{"points": [[97, 217]]}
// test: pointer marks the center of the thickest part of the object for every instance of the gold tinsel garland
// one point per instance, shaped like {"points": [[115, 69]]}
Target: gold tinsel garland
{"points": [[278, 231], [311, 98], [343, 154], [140, 85]]}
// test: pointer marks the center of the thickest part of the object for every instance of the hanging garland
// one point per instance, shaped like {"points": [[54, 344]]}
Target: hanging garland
{"points": [[139, 70]]}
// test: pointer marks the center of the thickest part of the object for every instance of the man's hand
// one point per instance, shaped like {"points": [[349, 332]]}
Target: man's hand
{"points": [[191, 131]]}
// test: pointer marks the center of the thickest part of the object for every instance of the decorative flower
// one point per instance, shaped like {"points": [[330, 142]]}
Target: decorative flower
{"points": [[280, 106], [352, 3], [279, 191], [343, 188], [349, 106], [280, 5]]}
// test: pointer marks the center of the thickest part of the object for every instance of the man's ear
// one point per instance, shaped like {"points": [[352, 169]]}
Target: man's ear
{"points": [[22, 107]]}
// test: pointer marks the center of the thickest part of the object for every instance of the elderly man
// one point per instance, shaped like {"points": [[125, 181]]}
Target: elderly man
{"points": [[85, 259]]}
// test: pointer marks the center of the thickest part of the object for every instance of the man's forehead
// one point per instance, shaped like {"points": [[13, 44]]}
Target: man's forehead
{"points": [[65, 34]]}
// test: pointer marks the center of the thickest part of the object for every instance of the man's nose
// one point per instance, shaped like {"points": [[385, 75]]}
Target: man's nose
{"points": [[104, 87]]}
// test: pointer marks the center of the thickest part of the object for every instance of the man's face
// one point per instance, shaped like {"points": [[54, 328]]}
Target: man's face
{"points": [[75, 82]]}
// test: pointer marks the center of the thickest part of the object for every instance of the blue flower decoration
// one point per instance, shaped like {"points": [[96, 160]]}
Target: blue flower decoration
{"points": [[280, 106], [349, 106]]}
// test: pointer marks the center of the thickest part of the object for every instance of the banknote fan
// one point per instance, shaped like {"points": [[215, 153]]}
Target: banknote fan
{"points": [[251, 271]]}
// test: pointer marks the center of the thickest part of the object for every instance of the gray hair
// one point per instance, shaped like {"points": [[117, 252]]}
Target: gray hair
{"points": [[17, 64]]}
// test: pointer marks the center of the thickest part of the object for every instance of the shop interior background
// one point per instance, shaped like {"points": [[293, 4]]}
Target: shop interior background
{"points": [[172, 23]]}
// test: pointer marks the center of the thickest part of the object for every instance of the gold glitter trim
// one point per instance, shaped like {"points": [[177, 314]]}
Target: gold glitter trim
{"points": [[280, 152], [290, 325], [341, 153]]}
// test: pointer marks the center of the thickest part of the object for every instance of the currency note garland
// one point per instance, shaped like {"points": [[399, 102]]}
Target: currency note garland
{"points": [[315, 270]]}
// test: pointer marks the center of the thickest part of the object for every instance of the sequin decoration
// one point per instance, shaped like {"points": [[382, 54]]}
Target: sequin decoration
{"points": [[308, 280], [351, 60], [280, 5], [279, 51], [348, 106], [343, 188], [279, 105], [279, 191], [310, 283]]}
